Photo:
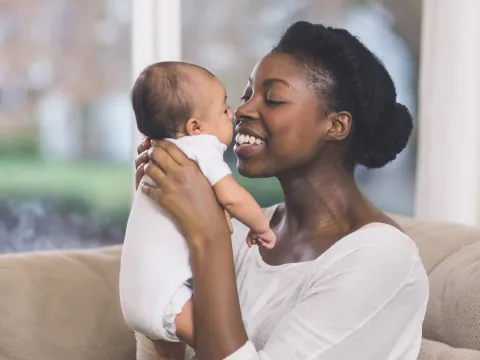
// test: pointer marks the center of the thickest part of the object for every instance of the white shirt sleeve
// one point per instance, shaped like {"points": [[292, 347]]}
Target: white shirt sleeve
{"points": [[359, 308], [207, 151]]}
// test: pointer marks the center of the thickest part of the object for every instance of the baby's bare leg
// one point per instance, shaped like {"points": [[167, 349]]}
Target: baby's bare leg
{"points": [[184, 323], [185, 332]]}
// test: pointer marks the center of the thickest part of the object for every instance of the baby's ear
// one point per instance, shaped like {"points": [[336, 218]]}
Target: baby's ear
{"points": [[194, 127]]}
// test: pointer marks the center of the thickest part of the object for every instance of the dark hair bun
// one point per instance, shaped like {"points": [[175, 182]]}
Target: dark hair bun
{"points": [[388, 141], [349, 77]]}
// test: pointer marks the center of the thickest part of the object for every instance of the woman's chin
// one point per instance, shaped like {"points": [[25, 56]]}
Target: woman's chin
{"points": [[250, 170]]}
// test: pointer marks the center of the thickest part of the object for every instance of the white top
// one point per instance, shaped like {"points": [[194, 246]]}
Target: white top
{"points": [[207, 151], [365, 299]]}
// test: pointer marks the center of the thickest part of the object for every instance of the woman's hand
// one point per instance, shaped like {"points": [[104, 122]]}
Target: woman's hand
{"points": [[141, 160], [183, 192]]}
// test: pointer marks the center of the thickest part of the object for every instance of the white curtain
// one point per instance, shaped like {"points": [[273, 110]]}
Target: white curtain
{"points": [[449, 131]]}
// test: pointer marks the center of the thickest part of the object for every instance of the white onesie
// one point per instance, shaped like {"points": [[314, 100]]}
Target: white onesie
{"points": [[155, 269]]}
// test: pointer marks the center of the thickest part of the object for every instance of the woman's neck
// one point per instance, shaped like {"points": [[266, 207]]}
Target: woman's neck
{"points": [[320, 200]]}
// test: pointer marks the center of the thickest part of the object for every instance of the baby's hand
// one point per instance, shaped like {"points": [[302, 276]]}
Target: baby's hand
{"points": [[265, 239]]}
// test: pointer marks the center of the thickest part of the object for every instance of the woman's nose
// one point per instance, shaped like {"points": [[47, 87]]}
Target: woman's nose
{"points": [[245, 112]]}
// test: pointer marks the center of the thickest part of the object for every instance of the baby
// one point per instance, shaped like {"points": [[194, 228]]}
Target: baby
{"points": [[186, 105]]}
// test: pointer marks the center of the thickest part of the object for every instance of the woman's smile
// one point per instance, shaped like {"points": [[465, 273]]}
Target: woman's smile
{"points": [[248, 142]]}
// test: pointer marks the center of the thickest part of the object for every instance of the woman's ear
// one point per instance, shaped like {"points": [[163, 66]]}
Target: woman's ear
{"points": [[193, 127], [340, 125]]}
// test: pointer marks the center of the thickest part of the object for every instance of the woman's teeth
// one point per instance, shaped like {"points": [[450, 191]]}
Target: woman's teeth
{"points": [[242, 139]]}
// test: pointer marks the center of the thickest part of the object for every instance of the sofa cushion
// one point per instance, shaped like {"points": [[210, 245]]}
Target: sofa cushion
{"points": [[432, 350], [63, 305], [451, 255]]}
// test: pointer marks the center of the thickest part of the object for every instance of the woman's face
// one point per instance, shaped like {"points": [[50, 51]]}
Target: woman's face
{"points": [[281, 122]]}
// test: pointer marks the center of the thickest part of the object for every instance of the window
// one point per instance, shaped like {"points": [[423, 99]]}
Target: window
{"points": [[65, 123]]}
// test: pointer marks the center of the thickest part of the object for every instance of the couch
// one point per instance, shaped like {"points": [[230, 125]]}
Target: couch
{"points": [[64, 304]]}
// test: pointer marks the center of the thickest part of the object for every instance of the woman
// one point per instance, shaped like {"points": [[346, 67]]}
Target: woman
{"points": [[343, 282]]}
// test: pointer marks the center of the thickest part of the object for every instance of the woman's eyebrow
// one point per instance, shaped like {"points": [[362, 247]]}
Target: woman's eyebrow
{"points": [[270, 81]]}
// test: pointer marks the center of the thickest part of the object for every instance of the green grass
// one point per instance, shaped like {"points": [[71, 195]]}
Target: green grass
{"points": [[104, 187]]}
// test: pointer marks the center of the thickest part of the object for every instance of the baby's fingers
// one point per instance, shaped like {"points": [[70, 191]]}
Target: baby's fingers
{"points": [[251, 240], [266, 244]]}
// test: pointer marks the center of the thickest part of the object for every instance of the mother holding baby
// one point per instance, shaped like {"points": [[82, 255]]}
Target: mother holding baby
{"points": [[343, 281]]}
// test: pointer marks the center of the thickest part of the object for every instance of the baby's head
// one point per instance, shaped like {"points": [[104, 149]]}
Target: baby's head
{"points": [[174, 99]]}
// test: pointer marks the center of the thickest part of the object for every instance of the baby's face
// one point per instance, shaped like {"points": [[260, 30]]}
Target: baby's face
{"points": [[219, 119]]}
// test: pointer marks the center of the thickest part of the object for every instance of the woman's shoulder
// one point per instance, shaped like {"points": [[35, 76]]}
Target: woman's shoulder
{"points": [[375, 242], [379, 257]]}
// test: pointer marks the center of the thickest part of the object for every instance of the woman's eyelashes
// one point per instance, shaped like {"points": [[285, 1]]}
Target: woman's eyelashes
{"points": [[273, 102], [268, 102]]}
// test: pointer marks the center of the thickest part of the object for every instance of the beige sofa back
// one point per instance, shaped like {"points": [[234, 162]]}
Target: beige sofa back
{"points": [[63, 305], [451, 255]]}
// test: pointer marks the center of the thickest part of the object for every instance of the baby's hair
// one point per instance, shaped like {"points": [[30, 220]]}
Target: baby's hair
{"points": [[349, 77], [163, 98]]}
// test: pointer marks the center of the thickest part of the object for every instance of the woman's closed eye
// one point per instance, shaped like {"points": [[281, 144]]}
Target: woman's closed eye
{"points": [[271, 102]]}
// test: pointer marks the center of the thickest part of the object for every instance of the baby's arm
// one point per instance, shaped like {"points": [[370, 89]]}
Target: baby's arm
{"points": [[242, 206]]}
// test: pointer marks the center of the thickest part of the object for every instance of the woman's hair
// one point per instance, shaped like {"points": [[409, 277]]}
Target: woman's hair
{"points": [[349, 77]]}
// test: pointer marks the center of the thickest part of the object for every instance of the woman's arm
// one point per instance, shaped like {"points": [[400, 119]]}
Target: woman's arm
{"points": [[185, 193]]}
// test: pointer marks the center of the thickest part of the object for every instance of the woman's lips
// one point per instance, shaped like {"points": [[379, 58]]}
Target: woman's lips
{"points": [[246, 150], [248, 142]]}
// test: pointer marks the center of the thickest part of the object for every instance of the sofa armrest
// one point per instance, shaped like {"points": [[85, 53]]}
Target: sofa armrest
{"points": [[63, 305], [433, 350]]}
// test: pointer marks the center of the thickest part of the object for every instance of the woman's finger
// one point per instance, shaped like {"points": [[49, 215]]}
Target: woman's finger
{"points": [[146, 143], [141, 159], [171, 149], [152, 192], [155, 173], [162, 159], [139, 174]]}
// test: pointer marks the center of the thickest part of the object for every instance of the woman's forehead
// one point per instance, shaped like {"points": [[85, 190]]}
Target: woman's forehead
{"points": [[279, 66]]}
